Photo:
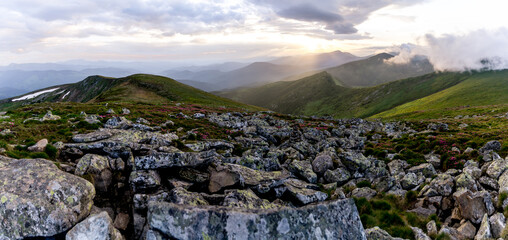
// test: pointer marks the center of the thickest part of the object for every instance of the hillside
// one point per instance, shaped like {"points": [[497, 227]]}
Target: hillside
{"points": [[322, 94], [487, 88], [139, 88], [376, 70], [318, 61]]}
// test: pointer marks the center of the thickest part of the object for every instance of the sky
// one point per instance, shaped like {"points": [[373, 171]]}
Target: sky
{"points": [[460, 31]]}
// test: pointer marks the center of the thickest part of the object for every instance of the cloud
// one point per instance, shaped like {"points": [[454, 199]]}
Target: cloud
{"points": [[475, 50]]}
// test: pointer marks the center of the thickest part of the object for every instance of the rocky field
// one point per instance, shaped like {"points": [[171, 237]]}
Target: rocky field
{"points": [[182, 171]]}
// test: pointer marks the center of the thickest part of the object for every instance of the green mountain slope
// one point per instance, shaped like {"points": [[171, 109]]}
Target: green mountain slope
{"points": [[376, 70], [323, 94], [480, 89], [139, 88]]}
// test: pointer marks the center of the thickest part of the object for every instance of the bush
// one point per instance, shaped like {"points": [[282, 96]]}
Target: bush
{"points": [[51, 151], [401, 232], [410, 197], [363, 205], [381, 205], [391, 219], [443, 236], [363, 183]]}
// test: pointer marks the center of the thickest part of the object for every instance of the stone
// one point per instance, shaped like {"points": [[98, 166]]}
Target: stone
{"points": [[491, 146], [489, 183], [466, 181], [161, 160], [50, 117], [302, 193], [193, 175], [174, 183], [484, 230], [121, 221], [39, 146], [503, 182], [118, 123], [433, 159], [39, 200], [98, 167], [339, 176], [364, 192], [441, 185], [426, 169], [467, 230], [377, 233], [409, 181], [419, 234], [322, 163], [331, 220], [126, 111], [144, 180], [397, 166], [497, 224], [184, 197], [303, 170], [355, 161], [497, 167], [92, 119], [474, 205], [431, 228], [228, 175], [452, 233], [92, 137], [246, 199], [97, 226]]}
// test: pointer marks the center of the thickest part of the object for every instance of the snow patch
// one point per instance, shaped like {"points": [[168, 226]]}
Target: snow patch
{"points": [[66, 95], [33, 95]]}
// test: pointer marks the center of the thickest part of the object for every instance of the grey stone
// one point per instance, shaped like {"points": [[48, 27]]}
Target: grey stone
{"points": [[409, 181], [426, 169], [339, 176], [441, 185], [331, 220], [377, 233], [159, 160], [303, 170], [491, 146], [431, 228], [98, 167], [246, 199], [364, 192], [92, 137], [474, 205], [397, 166], [39, 200], [95, 227], [144, 180], [497, 224], [302, 193], [322, 163], [484, 231], [467, 230], [39, 146], [419, 234], [184, 197], [433, 159]]}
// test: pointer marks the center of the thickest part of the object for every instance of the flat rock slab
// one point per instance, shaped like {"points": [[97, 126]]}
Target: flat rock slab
{"points": [[331, 220], [39, 200]]}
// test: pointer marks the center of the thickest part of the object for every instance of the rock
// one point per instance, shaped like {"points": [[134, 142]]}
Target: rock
{"points": [[246, 199], [484, 231], [98, 167], [433, 159], [364, 192], [503, 182], [489, 183], [419, 234], [490, 156], [497, 224], [92, 137], [491, 146], [118, 123], [199, 115], [339, 176], [97, 226], [497, 167], [228, 175], [39, 146], [92, 119], [426, 169], [322, 163], [377, 233], [302, 193], [160, 160], [441, 185], [466, 181], [355, 161], [409, 181], [467, 230], [175, 183], [121, 221], [303, 170], [473, 170], [452, 233], [184, 197], [126, 111], [144, 180], [50, 117], [431, 228], [110, 111], [331, 220], [397, 166], [474, 205], [39, 200]]}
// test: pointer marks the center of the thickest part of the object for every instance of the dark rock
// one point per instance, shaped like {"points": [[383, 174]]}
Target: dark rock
{"points": [[322, 163], [339, 176], [144, 180], [303, 170], [184, 197], [246, 199]]}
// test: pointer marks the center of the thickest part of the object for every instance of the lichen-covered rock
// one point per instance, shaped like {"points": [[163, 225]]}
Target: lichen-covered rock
{"points": [[466, 181], [419, 234], [246, 199], [339, 176], [364, 192], [377, 233], [431, 228], [302, 193], [322, 163], [497, 224], [228, 175], [37, 199], [497, 167], [409, 181], [433, 159], [426, 169], [484, 232], [118, 123], [330, 220], [182, 196], [158, 160], [503, 182], [303, 169], [93, 136], [98, 167], [397, 166], [491, 146], [441, 185], [95, 227], [355, 161], [144, 180]]}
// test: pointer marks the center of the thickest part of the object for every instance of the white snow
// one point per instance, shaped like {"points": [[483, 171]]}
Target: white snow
{"points": [[30, 96], [66, 95]]}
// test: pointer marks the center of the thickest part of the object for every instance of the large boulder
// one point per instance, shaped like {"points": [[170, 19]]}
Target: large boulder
{"points": [[322, 163], [426, 169], [302, 193], [473, 206], [484, 232], [98, 167], [497, 167], [93, 136], [339, 176], [39, 200], [158, 160], [331, 220], [95, 227], [355, 161], [491, 146], [441, 185], [303, 170]]}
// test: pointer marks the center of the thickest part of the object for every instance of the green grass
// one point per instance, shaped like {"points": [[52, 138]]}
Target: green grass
{"points": [[481, 89]]}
